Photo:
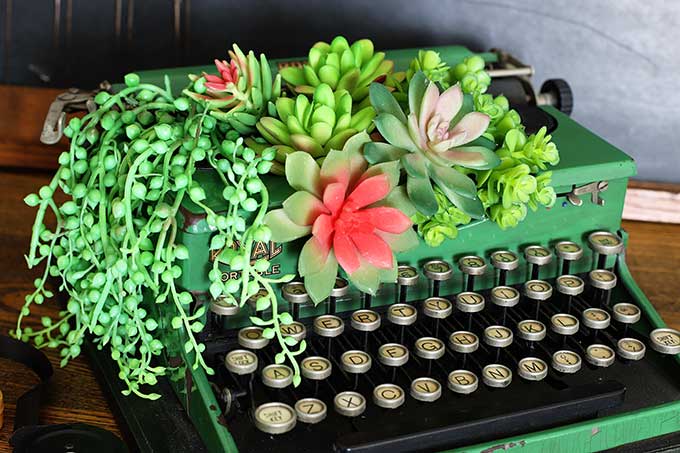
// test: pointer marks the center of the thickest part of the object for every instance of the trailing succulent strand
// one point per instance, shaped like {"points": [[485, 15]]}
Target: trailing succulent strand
{"points": [[342, 67], [113, 247], [242, 91], [314, 126]]}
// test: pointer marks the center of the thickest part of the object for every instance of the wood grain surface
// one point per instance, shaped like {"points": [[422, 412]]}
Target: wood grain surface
{"points": [[74, 395]]}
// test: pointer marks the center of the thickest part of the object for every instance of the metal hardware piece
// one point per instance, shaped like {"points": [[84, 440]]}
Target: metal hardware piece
{"points": [[593, 188]]}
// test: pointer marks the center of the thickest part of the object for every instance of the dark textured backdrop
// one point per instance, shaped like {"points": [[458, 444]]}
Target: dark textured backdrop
{"points": [[621, 57]]}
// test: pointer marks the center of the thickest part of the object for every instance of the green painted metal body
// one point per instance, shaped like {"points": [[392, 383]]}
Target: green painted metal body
{"points": [[585, 158]]}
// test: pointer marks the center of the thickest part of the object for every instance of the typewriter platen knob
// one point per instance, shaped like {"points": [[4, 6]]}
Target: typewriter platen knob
{"points": [[437, 271], [604, 244], [537, 256], [504, 261], [471, 266], [275, 418], [406, 276], [296, 294], [568, 251]]}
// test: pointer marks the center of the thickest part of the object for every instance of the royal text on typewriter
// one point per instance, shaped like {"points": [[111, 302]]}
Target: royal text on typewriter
{"points": [[535, 337]]}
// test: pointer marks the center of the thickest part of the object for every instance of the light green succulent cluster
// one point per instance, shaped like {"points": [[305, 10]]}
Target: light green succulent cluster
{"points": [[471, 75], [431, 64], [315, 126], [443, 225], [342, 67]]}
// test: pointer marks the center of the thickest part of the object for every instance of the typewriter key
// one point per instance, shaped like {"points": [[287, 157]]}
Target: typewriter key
{"points": [[365, 320], [349, 404], [605, 281], [504, 261], [566, 361], [222, 307], [604, 243], [626, 313], [564, 324], [426, 389], [275, 418], [240, 361], [504, 297], [470, 302], [600, 355], [665, 341], [462, 381], [532, 369], [531, 330], [310, 410], [538, 291], [402, 314], [437, 271], [631, 349], [437, 308], [296, 330], [406, 276], [296, 295], [393, 354], [496, 375], [251, 338], [570, 286], [429, 348], [595, 318], [355, 362], [498, 336], [277, 376], [537, 256], [340, 289], [463, 342], [329, 326], [568, 251], [316, 368], [471, 266], [388, 396]]}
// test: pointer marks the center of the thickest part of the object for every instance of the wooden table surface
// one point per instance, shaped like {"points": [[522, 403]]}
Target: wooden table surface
{"points": [[74, 395]]}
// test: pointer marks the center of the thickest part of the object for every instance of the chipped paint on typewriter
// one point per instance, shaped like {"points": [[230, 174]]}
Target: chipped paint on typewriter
{"points": [[428, 308]]}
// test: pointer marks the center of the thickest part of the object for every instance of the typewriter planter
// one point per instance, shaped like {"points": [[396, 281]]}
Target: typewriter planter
{"points": [[487, 368]]}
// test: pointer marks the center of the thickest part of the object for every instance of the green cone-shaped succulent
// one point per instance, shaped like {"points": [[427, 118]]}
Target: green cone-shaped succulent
{"points": [[437, 135], [432, 66], [241, 93], [317, 126], [341, 66]]}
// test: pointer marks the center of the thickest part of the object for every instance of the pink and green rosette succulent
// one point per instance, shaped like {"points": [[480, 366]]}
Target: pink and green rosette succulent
{"points": [[439, 136], [348, 208]]}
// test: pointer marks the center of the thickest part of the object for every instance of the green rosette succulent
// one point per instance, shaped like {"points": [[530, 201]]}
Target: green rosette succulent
{"points": [[341, 66], [241, 94], [471, 75], [431, 64], [442, 225], [315, 127], [437, 139]]}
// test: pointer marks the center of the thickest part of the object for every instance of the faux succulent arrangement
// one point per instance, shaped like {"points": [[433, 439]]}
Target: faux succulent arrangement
{"points": [[443, 153]]}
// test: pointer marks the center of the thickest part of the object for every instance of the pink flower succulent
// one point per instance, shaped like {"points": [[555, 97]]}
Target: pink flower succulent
{"points": [[228, 76], [343, 206]]}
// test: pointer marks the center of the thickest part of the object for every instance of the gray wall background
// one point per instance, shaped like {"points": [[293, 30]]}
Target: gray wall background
{"points": [[621, 57]]}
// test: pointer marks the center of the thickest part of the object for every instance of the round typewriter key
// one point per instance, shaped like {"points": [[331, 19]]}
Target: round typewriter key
{"points": [[275, 418], [277, 376], [349, 404], [600, 355], [355, 362], [631, 348], [496, 375], [437, 270], [626, 313], [407, 275], [222, 307], [566, 361], [365, 320], [569, 251], [564, 324], [463, 342], [595, 318], [310, 410], [429, 348], [602, 279], [329, 326], [252, 300], [316, 368], [665, 341], [296, 330], [570, 285], [504, 260], [437, 307], [472, 265], [402, 314], [538, 290], [470, 302], [341, 287], [393, 354], [251, 338], [498, 336], [388, 396], [462, 381], [426, 389], [535, 254], [605, 243], [532, 369], [531, 330], [240, 361], [504, 296], [295, 292]]}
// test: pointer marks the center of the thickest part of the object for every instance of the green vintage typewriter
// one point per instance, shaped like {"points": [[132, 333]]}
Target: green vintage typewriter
{"points": [[534, 339]]}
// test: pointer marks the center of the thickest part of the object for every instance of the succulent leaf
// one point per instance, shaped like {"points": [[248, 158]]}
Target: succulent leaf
{"points": [[283, 228], [377, 152], [383, 102]]}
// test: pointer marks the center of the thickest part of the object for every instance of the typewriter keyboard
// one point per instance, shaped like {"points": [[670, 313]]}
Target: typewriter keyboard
{"points": [[451, 369]]}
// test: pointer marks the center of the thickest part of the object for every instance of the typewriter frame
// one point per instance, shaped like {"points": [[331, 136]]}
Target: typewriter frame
{"points": [[578, 169]]}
